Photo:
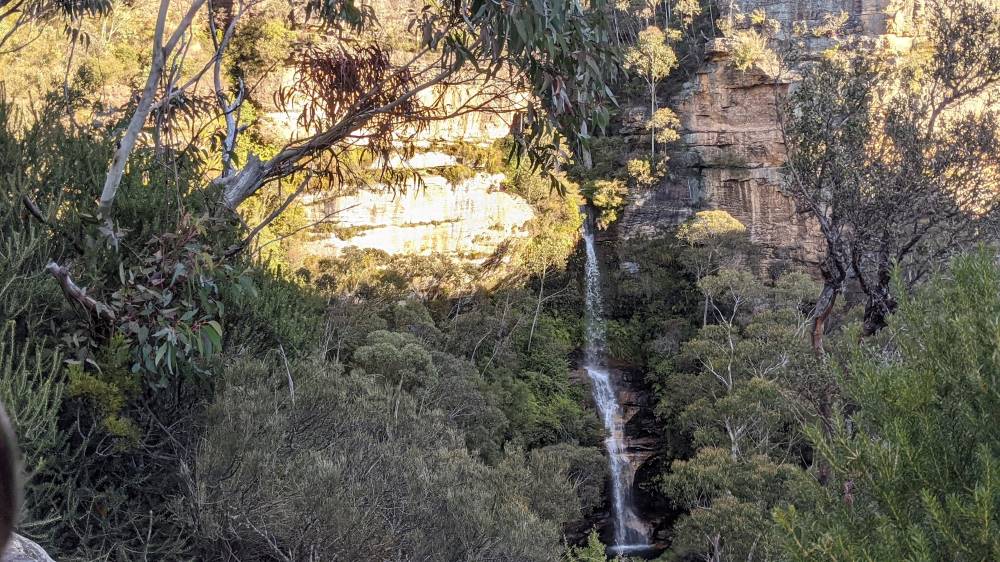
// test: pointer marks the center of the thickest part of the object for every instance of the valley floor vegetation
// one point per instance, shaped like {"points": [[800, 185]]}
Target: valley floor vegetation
{"points": [[214, 409], [283, 421]]}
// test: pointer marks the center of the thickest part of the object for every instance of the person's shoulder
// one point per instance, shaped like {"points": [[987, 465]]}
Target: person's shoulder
{"points": [[21, 549]]}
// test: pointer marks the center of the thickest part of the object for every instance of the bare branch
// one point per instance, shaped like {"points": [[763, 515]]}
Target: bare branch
{"points": [[78, 294]]}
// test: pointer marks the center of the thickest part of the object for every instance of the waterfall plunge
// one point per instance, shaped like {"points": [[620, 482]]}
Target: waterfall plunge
{"points": [[631, 533]]}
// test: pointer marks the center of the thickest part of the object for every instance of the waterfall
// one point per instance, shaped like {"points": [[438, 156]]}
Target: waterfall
{"points": [[630, 533]]}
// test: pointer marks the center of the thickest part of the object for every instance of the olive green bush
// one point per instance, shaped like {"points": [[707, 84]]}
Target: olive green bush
{"points": [[317, 462], [915, 465], [32, 389]]}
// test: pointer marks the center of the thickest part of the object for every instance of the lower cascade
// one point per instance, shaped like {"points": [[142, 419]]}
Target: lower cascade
{"points": [[630, 531]]}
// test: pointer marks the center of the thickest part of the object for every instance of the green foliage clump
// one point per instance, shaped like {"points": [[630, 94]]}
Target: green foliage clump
{"points": [[259, 45], [750, 41], [687, 10], [273, 312], [651, 57], [709, 226], [712, 240], [608, 197], [915, 467], [109, 388], [733, 399], [406, 486], [748, 49], [593, 551], [171, 314], [664, 123], [32, 390], [649, 301], [398, 359], [643, 173], [553, 233], [607, 154], [522, 347], [730, 502]]}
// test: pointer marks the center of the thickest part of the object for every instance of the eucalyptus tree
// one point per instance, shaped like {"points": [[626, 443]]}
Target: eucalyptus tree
{"points": [[20, 16], [353, 91], [712, 240], [652, 59], [897, 161], [741, 393]]}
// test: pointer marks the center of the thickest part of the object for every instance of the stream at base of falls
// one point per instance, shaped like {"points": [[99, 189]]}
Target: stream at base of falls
{"points": [[631, 533]]}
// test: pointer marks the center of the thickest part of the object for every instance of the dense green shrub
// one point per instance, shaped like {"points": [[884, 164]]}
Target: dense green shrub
{"points": [[315, 462], [116, 378], [916, 466], [32, 389], [650, 296], [730, 502]]}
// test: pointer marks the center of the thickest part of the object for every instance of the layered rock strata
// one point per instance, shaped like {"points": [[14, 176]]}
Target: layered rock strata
{"points": [[731, 152], [466, 220]]}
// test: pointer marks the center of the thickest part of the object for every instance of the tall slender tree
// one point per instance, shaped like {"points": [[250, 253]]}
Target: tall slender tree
{"points": [[652, 59]]}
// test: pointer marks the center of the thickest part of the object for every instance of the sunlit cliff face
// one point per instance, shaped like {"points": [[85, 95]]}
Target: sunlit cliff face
{"points": [[465, 218], [732, 153], [468, 219]]}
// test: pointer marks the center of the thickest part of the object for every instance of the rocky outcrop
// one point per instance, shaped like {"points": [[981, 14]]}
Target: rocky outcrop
{"points": [[731, 154], [867, 17], [498, 114], [731, 158], [21, 549], [467, 220]]}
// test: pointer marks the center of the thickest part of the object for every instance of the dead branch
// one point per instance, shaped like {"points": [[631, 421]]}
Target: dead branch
{"points": [[270, 218], [78, 294]]}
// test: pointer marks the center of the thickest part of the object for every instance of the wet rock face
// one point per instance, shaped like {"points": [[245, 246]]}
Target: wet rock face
{"points": [[642, 444], [731, 154]]}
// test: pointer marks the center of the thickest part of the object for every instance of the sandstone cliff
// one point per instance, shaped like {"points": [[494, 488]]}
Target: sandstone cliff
{"points": [[466, 219], [731, 154]]}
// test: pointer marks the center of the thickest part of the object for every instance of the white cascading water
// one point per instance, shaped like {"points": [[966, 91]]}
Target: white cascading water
{"points": [[630, 530]]}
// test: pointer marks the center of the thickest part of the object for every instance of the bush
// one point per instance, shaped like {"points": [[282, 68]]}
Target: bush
{"points": [[915, 471], [405, 486], [32, 389], [608, 197]]}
